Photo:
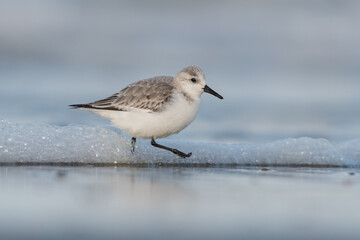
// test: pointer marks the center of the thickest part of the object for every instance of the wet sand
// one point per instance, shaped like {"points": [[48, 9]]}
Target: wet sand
{"points": [[49, 202]]}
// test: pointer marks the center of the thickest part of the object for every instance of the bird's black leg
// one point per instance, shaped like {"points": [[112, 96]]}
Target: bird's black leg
{"points": [[133, 141], [177, 152]]}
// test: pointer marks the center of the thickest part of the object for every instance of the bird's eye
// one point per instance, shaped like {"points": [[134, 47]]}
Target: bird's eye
{"points": [[193, 80]]}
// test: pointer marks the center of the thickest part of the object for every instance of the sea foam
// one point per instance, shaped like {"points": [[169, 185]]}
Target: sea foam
{"points": [[29, 143]]}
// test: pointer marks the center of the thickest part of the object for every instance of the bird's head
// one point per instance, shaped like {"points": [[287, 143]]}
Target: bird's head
{"points": [[192, 81]]}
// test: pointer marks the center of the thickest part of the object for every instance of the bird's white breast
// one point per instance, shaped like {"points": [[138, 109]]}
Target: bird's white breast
{"points": [[176, 115]]}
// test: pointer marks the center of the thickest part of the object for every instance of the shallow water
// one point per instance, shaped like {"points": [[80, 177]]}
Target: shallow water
{"points": [[178, 203]]}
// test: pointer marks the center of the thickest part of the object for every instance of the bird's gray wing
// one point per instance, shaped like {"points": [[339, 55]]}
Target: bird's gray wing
{"points": [[148, 94]]}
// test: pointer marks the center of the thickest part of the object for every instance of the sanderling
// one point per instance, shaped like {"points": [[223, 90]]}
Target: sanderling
{"points": [[156, 107]]}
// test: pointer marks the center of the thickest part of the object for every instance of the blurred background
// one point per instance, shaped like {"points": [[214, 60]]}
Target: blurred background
{"points": [[285, 68]]}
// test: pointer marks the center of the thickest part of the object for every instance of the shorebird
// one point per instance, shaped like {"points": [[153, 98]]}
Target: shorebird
{"points": [[156, 107]]}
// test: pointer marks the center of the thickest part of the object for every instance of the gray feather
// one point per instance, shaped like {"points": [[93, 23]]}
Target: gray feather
{"points": [[149, 94]]}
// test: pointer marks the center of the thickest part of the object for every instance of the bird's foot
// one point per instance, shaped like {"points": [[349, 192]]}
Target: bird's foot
{"points": [[181, 154], [173, 150]]}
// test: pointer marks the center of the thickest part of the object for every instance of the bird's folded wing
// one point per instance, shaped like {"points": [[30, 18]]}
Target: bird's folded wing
{"points": [[149, 95]]}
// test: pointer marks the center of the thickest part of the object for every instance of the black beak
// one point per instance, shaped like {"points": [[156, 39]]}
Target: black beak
{"points": [[209, 90]]}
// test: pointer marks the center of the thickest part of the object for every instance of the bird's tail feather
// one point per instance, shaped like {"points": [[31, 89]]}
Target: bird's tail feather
{"points": [[80, 106], [89, 107]]}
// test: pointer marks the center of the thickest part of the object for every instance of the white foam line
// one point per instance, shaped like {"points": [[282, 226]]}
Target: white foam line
{"points": [[78, 144]]}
